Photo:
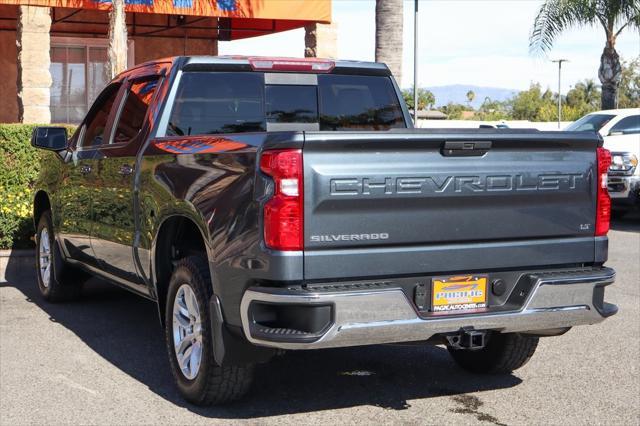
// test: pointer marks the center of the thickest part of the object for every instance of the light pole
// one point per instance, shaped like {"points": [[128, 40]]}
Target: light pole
{"points": [[415, 64], [560, 61]]}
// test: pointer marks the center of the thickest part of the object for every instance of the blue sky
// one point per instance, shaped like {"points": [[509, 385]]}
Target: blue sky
{"points": [[475, 42]]}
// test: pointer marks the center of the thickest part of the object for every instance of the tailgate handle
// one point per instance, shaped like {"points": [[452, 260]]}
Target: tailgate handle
{"points": [[465, 148]]}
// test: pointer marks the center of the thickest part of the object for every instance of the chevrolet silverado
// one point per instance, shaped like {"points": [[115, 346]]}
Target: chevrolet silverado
{"points": [[271, 204]]}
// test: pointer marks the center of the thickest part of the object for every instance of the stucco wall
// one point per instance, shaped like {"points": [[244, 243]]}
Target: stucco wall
{"points": [[149, 48], [9, 73]]}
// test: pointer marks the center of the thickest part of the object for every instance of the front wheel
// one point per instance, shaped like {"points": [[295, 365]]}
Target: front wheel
{"points": [[502, 354], [57, 281], [189, 339]]}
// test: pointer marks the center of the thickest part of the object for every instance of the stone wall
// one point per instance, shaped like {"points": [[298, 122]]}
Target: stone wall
{"points": [[34, 79], [321, 40]]}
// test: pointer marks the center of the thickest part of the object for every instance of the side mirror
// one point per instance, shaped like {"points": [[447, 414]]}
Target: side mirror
{"points": [[51, 138]]}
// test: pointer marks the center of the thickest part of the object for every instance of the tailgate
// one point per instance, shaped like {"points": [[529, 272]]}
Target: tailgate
{"points": [[426, 201]]}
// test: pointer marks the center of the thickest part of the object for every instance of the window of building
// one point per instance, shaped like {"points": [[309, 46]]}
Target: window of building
{"points": [[79, 73]]}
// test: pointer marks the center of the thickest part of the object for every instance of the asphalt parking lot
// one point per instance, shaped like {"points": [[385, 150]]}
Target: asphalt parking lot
{"points": [[102, 361]]}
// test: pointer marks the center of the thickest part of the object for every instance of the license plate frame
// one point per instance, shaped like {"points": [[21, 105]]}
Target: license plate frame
{"points": [[455, 294]]}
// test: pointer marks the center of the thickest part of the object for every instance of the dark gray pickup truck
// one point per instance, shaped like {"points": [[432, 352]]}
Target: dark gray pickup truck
{"points": [[270, 204]]}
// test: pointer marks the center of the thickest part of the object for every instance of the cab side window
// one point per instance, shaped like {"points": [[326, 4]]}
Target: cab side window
{"points": [[96, 122], [134, 110], [628, 125]]}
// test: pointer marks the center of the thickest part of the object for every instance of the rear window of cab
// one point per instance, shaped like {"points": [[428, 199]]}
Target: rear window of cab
{"points": [[235, 102]]}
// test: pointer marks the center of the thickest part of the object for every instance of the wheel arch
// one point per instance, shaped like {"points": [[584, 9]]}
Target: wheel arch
{"points": [[41, 203], [178, 236]]}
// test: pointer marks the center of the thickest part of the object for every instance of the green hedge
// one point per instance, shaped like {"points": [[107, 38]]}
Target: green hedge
{"points": [[19, 167]]}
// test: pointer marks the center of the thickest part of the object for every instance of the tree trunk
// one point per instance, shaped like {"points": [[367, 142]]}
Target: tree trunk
{"points": [[117, 39], [389, 16], [610, 74]]}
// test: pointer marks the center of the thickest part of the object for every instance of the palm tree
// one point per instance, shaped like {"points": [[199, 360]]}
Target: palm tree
{"points": [[614, 16], [471, 95], [590, 91], [389, 35], [117, 39]]}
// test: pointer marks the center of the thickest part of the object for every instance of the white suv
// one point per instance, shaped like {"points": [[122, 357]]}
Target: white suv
{"points": [[620, 129]]}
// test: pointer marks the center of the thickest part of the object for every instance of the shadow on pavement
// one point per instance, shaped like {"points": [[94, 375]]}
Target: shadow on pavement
{"points": [[629, 223], [124, 329]]}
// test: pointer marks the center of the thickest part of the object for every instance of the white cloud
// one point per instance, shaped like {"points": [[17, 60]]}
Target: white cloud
{"points": [[479, 42]]}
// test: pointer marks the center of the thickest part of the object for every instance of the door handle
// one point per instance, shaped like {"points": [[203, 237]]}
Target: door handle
{"points": [[465, 148], [85, 170], [125, 170]]}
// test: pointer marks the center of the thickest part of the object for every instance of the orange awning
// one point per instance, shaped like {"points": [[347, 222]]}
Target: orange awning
{"points": [[242, 18]]}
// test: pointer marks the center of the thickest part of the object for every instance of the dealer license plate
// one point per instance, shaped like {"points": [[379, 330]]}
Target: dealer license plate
{"points": [[459, 293]]}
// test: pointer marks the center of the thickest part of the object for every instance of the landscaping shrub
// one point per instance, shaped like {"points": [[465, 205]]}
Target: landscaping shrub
{"points": [[19, 167]]}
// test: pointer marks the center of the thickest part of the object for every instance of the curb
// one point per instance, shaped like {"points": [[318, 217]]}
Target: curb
{"points": [[16, 263]]}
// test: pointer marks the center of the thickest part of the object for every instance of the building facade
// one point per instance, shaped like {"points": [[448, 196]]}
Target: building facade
{"points": [[53, 53]]}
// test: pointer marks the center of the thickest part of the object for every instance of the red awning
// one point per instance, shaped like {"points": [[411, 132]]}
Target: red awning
{"points": [[238, 18]]}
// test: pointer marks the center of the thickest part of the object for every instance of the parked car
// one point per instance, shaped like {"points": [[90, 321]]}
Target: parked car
{"points": [[621, 132], [288, 204]]}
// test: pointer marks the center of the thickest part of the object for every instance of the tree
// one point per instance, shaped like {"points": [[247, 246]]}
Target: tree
{"points": [[614, 16], [426, 98], [117, 39], [470, 96], [491, 110], [389, 16], [584, 97], [527, 104], [629, 90], [454, 111]]}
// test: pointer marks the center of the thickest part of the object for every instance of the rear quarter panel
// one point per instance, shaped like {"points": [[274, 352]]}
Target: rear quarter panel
{"points": [[214, 182]]}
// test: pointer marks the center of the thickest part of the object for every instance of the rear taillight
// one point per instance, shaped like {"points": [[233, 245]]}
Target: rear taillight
{"points": [[603, 204], [283, 213]]}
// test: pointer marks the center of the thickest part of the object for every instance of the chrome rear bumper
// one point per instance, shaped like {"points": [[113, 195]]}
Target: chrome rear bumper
{"points": [[387, 316]]}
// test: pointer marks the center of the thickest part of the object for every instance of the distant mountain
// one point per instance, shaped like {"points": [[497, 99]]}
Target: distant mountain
{"points": [[457, 93]]}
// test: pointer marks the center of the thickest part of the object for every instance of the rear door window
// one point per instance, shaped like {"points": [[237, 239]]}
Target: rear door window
{"points": [[134, 110]]}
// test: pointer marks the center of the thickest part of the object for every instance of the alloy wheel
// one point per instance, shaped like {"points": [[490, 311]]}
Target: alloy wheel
{"points": [[187, 331], [44, 254]]}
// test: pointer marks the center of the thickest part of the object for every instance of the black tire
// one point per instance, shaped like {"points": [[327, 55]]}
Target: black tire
{"points": [[213, 384], [64, 282], [503, 354]]}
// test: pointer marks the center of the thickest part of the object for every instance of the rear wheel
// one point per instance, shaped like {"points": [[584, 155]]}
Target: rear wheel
{"points": [[502, 354], [57, 281], [189, 339]]}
